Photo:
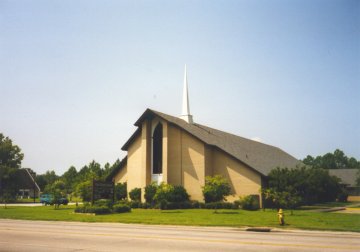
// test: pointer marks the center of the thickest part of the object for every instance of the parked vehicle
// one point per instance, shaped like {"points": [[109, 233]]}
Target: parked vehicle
{"points": [[48, 199]]}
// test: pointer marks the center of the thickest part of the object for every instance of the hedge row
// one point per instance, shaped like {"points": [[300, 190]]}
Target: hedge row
{"points": [[165, 205], [103, 209]]}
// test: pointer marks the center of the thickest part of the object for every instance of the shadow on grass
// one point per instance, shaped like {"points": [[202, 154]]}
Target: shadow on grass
{"points": [[171, 212], [62, 208], [221, 212]]}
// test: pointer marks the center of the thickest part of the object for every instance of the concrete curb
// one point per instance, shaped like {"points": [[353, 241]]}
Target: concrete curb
{"points": [[258, 229]]}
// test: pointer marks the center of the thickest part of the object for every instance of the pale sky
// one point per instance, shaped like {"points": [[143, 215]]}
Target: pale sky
{"points": [[76, 75]]}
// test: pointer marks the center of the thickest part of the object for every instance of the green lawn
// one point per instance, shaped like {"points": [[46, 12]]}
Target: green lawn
{"points": [[195, 217]]}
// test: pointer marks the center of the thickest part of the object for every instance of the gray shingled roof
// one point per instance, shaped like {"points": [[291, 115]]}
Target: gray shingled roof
{"points": [[347, 176], [259, 156]]}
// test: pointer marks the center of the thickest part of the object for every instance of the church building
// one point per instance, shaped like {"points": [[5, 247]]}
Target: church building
{"points": [[178, 151]]}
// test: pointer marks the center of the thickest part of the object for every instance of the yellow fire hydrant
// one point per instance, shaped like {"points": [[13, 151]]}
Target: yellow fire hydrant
{"points": [[281, 217]]}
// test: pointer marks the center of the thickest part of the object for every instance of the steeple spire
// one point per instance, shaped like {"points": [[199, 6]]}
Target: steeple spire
{"points": [[185, 115]]}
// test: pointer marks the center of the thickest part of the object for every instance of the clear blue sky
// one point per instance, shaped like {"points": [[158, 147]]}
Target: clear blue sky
{"points": [[76, 75]]}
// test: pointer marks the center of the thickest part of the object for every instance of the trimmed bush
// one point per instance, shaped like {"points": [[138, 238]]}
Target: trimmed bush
{"points": [[81, 209], [135, 204], [93, 209], [165, 205], [219, 205], [121, 208], [171, 193], [135, 194], [99, 210], [104, 202], [250, 202], [150, 191], [179, 194], [121, 191], [195, 204]]}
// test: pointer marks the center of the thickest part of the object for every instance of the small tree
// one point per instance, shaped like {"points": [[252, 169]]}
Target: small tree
{"points": [[283, 199], [84, 190], [57, 189], [216, 189], [135, 194]]}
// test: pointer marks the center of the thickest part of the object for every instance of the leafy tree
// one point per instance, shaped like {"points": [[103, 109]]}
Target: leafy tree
{"points": [[284, 199], [336, 160], [84, 190], [57, 190], [216, 189], [310, 184], [70, 179], [106, 171], [10, 162], [46, 179]]}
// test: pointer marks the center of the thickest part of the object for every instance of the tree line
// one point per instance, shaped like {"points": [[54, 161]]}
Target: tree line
{"points": [[335, 160], [304, 185]]}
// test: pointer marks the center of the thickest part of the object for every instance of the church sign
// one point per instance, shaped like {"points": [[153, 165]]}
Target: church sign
{"points": [[102, 190]]}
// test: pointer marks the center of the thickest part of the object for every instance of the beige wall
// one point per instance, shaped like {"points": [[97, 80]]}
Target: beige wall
{"points": [[135, 170], [243, 180], [121, 176], [186, 162]]}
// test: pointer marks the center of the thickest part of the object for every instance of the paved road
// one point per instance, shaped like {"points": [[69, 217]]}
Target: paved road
{"points": [[16, 235]]}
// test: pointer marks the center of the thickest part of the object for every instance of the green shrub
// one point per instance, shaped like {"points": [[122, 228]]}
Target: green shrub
{"points": [[195, 204], [121, 208], [178, 194], [250, 202], [147, 205], [98, 210], [219, 205], [216, 189], [104, 202], [135, 194], [170, 193], [93, 209], [121, 191], [80, 209], [163, 192], [150, 191], [135, 204]]}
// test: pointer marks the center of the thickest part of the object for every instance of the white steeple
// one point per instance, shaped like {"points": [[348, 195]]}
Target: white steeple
{"points": [[185, 115]]}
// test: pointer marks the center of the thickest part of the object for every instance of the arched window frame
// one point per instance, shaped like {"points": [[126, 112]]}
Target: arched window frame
{"points": [[156, 149]]}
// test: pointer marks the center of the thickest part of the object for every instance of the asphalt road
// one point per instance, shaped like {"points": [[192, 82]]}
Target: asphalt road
{"points": [[17, 235]]}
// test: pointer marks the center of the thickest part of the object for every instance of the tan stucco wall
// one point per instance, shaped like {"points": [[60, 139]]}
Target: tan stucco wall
{"points": [[135, 170], [186, 162], [121, 176], [243, 180]]}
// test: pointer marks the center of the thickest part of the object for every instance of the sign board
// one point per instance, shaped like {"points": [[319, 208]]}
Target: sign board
{"points": [[103, 190]]}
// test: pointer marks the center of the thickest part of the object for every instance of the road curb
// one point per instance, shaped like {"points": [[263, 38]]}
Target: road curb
{"points": [[258, 229]]}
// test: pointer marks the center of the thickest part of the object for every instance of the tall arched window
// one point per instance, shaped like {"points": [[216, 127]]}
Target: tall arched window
{"points": [[157, 150]]}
